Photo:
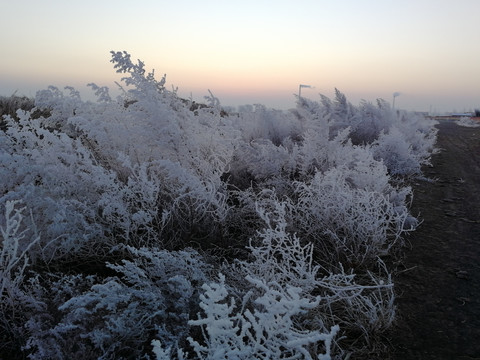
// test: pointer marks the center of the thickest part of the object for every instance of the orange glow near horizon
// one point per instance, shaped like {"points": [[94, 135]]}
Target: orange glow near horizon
{"points": [[257, 49]]}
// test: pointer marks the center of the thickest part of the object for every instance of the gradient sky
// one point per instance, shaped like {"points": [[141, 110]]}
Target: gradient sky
{"points": [[253, 51]]}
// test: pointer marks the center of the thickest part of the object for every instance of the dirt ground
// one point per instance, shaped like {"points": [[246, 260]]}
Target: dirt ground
{"points": [[438, 285]]}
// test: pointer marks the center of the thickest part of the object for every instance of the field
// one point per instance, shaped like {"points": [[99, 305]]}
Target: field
{"points": [[149, 226]]}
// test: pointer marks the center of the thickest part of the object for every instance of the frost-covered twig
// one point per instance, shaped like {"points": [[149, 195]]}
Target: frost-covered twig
{"points": [[13, 254]]}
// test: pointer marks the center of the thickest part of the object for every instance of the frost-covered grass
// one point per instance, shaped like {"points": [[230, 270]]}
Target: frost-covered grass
{"points": [[9, 106], [157, 228], [467, 122]]}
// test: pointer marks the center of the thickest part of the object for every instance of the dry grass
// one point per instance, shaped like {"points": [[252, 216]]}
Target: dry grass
{"points": [[9, 106]]}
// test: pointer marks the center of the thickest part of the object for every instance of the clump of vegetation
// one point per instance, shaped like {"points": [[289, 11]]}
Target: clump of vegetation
{"points": [[138, 228], [11, 104]]}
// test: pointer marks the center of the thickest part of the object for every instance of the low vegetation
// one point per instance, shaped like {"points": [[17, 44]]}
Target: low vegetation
{"points": [[146, 227]]}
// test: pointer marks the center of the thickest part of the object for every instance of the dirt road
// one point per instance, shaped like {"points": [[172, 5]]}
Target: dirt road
{"points": [[438, 286]]}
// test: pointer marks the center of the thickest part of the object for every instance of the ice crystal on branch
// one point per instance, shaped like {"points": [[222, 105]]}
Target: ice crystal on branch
{"points": [[267, 331], [123, 64]]}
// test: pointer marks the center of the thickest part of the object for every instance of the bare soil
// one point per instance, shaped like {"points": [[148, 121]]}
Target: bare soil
{"points": [[438, 285]]}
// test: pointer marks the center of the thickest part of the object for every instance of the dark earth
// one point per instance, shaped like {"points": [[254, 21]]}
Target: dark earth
{"points": [[438, 283]]}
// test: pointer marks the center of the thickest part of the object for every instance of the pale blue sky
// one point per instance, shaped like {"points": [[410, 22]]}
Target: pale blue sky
{"points": [[253, 51]]}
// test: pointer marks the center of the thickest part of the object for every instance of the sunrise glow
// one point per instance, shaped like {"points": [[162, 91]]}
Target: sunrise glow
{"points": [[253, 51]]}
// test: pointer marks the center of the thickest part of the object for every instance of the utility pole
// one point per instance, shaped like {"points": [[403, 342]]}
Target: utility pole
{"points": [[395, 94], [303, 86]]}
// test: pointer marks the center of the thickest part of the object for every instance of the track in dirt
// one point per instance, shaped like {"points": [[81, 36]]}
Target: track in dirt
{"points": [[438, 291]]}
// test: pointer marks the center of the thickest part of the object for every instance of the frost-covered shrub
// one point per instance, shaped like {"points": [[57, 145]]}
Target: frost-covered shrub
{"points": [[141, 170], [156, 125], [371, 121], [266, 331], [56, 177], [262, 162], [43, 338], [404, 150], [187, 152], [368, 124], [319, 141], [193, 208], [370, 309], [10, 105], [266, 151], [154, 295], [318, 146], [420, 132], [351, 215], [14, 250], [15, 300], [467, 122], [296, 208], [326, 145], [362, 304], [279, 256], [396, 153], [61, 106], [132, 211], [347, 223], [266, 124]]}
